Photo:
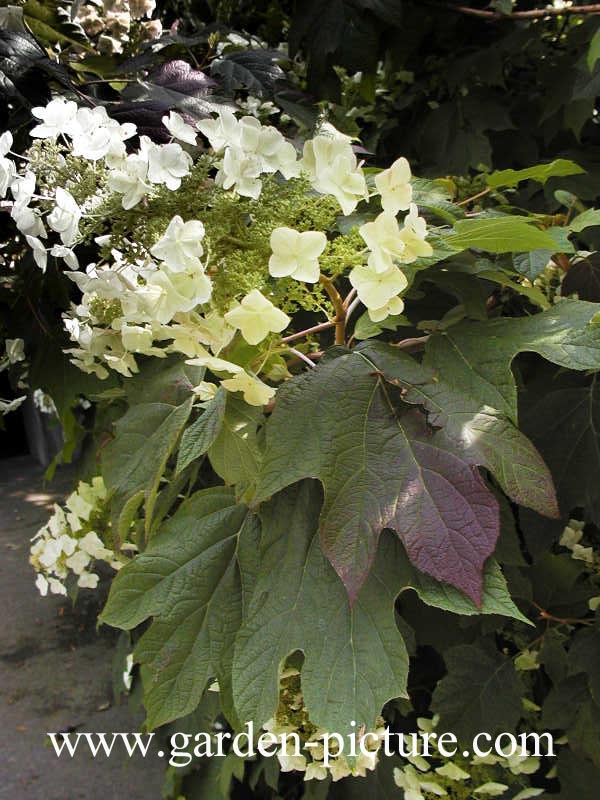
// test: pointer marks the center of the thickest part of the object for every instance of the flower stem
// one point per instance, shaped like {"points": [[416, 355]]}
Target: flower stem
{"points": [[338, 304]]}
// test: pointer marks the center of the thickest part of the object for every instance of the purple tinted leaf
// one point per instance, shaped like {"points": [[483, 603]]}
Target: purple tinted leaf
{"points": [[179, 76], [380, 468]]}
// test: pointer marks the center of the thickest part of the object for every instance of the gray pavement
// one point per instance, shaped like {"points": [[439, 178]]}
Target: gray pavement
{"points": [[55, 669]]}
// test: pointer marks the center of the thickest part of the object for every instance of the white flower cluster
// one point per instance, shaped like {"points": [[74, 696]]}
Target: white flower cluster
{"points": [[159, 300], [15, 354], [248, 150], [420, 780], [311, 761], [110, 22], [571, 539], [68, 543]]}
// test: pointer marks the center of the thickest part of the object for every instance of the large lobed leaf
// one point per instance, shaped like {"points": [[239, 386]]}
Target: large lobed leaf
{"points": [[380, 468], [194, 579], [233, 603]]}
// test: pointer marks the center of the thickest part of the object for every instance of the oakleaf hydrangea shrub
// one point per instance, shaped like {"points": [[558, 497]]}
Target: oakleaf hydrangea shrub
{"points": [[307, 375]]}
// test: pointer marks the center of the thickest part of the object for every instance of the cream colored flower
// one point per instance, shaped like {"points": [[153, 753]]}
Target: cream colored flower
{"points": [[453, 772], [413, 235], [333, 169], [394, 186], [382, 237], [256, 317], [178, 128], [376, 289], [394, 306], [180, 247], [296, 254], [256, 393], [15, 350], [491, 789]]}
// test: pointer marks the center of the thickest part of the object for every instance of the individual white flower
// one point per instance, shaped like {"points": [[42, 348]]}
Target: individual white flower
{"points": [[181, 291], [8, 173], [414, 784], [296, 254], [6, 142], [68, 256], [333, 169], [205, 390], [240, 171], [491, 789], [57, 117], [315, 771], [526, 794], [256, 393], [288, 762], [178, 128], [56, 587], [127, 676], [215, 364], [376, 289], [23, 188], [8, 169], [41, 584], [138, 339], [40, 254], [64, 218], [88, 580], [393, 307], [268, 144], [413, 235], [382, 237], [450, 770], [15, 350], [167, 163], [221, 132], [180, 247], [93, 546], [78, 561], [394, 186], [256, 317], [95, 135], [130, 180], [28, 220], [6, 406]]}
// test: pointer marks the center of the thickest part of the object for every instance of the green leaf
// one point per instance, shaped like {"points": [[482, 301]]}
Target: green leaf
{"points": [[565, 425], [533, 263], [499, 235], [135, 460], [587, 219], [584, 656], [235, 454], [481, 692], [496, 597], [476, 357], [354, 658], [593, 53], [198, 438], [534, 294], [168, 380], [449, 386], [50, 26], [559, 168], [579, 778], [365, 328], [193, 580], [379, 468]]}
